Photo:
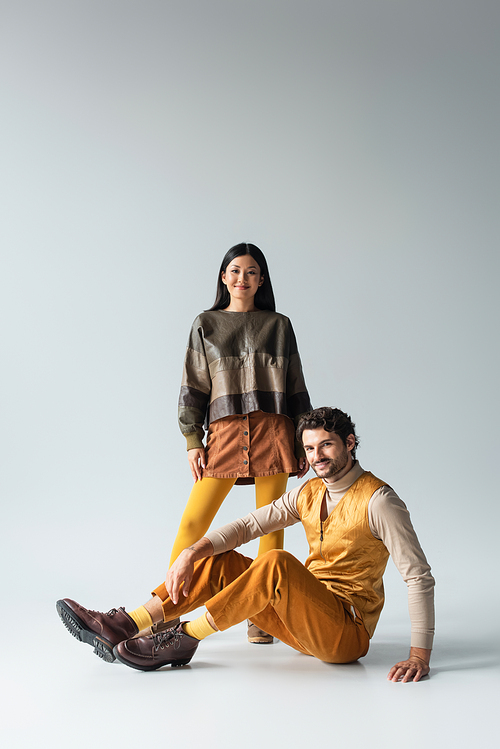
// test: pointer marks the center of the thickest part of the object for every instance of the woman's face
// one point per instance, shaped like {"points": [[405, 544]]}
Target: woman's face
{"points": [[242, 277]]}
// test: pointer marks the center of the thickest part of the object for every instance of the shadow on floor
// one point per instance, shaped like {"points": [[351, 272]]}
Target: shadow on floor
{"points": [[449, 654]]}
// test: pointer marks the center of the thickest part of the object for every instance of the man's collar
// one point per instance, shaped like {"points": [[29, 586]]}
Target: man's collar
{"points": [[343, 484]]}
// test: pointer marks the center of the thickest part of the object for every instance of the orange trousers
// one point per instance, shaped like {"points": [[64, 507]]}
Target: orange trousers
{"points": [[280, 596]]}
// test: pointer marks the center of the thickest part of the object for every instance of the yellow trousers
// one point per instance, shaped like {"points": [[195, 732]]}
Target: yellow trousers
{"points": [[207, 496]]}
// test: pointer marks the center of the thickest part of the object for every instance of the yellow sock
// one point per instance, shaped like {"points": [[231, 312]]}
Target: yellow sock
{"points": [[199, 628], [141, 617]]}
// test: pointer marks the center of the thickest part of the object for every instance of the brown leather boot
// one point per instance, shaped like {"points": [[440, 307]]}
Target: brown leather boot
{"points": [[163, 626], [170, 648], [102, 631], [158, 627]]}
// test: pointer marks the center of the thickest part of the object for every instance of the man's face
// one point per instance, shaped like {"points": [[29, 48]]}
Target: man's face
{"points": [[327, 455]]}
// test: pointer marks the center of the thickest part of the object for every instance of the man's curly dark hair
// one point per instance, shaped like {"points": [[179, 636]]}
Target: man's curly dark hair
{"points": [[331, 420]]}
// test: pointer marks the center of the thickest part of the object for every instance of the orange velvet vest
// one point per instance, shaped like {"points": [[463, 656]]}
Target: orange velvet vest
{"points": [[343, 553]]}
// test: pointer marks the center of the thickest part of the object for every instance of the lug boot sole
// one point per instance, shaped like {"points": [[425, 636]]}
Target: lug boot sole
{"points": [[102, 648]]}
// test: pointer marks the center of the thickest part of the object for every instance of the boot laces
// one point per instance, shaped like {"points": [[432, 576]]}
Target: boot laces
{"points": [[111, 612], [165, 639]]}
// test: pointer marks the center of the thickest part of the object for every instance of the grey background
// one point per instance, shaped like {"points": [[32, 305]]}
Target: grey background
{"points": [[357, 144]]}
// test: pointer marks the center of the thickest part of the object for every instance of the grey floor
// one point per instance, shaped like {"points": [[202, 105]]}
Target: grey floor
{"points": [[56, 693]]}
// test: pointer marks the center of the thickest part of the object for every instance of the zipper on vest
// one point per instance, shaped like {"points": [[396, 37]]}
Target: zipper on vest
{"points": [[321, 539]]}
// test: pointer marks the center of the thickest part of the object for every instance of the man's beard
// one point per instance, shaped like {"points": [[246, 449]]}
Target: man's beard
{"points": [[333, 467]]}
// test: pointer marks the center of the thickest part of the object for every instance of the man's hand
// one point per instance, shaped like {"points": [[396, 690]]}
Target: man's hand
{"points": [[196, 457], [412, 669], [182, 569], [303, 467], [180, 572]]}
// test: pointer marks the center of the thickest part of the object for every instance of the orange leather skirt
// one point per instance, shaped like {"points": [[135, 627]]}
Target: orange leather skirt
{"points": [[249, 445]]}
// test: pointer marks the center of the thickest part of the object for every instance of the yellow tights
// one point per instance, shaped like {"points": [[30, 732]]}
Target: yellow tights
{"points": [[207, 496]]}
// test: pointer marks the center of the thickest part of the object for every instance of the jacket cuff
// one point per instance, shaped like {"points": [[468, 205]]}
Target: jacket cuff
{"points": [[193, 440]]}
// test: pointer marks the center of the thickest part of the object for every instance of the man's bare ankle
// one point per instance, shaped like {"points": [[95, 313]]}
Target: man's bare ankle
{"points": [[210, 620]]}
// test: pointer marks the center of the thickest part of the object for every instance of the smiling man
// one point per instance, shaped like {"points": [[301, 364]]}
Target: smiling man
{"points": [[327, 607]]}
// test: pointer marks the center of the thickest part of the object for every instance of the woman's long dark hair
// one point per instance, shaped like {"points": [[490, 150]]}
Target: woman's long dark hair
{"points": [[264, 298]]}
